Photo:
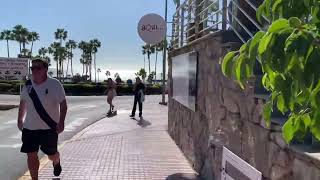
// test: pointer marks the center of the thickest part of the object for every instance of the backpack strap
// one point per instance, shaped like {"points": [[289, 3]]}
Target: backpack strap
{"points": [[39, 107]]}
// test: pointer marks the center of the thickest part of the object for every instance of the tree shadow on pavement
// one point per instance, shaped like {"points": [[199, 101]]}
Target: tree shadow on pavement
{"points": [[183, 176]]}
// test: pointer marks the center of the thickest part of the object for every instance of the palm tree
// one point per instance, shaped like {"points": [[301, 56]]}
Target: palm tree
{"points": [[149, 50], [61, 35], [33, 36], [98, 71], [142, 72], [144, 58], [43, 52], [71, 44], [82, 61], [116, 75], [59, 54], [16, 34], [95, 43], [6, 35], [108, 74], [86, 54], [21, 35], [158, 47]]}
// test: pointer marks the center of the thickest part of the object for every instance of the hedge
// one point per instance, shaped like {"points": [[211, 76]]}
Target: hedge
{"points": [[82, 89]]}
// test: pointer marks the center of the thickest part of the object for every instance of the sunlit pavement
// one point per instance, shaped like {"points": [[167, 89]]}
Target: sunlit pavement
{"points": [[123, 148]]}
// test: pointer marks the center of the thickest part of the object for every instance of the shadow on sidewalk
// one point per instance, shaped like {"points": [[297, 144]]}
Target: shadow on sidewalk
{"points": [[142, 122], [183, 176]]}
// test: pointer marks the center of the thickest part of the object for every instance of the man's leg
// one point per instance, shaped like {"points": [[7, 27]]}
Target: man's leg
{"points": [[134, 106], [49, 145], [55, 158], [33, 164], [140, 109]]}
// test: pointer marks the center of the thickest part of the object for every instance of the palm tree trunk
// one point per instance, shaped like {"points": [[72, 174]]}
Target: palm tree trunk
{"points": [[67, 67], [8, 48], [62, 70], [20, 46], [31, 48], [149, 63], [71, 65], [155, 66], [86, 69], [57, 70], [144, 62], [95, 68], [82, 69], [24, 47]]}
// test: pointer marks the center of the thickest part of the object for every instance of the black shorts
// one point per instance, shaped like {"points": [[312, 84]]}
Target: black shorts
{"points": [[46, 140]]}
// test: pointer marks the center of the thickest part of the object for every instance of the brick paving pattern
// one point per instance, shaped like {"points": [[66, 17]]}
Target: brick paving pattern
{"points": [[120, 148]]}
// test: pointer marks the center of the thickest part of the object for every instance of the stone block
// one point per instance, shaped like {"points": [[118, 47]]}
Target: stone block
{"points": [[256, 148], [281, 173], [230, 101], [231, 132], [277, 138], [257, 113], [305, 171]]}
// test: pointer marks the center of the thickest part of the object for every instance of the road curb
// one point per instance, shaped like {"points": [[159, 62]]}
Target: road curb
{"points": [[4, 107]]}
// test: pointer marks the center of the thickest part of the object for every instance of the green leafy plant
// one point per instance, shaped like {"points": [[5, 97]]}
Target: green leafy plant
{"points": [[289, 55]]}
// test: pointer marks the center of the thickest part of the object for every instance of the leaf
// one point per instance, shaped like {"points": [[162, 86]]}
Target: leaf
{"points": [[240, 70], [263, 45], [260, 12], [315, 96], [312, 67], [278, 25], [288, 129], [315, 125], [276, 6], [243, 48], [306, 3], [267, 110], [281, 104], [255, 44], [295, 22], [227, 64]]}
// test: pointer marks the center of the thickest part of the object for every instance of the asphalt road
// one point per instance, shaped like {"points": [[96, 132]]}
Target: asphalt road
{"points": [[82, 112]]}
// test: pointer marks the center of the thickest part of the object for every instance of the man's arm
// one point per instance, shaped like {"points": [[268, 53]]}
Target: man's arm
{"points": [[63, 113], [22, 113]]}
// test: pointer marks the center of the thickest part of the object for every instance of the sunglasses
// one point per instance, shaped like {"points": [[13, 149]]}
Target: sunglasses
{"points": [[33, 68]]}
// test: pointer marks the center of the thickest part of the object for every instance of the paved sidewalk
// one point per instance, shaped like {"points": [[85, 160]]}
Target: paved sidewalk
{"points": [[120, 148]]}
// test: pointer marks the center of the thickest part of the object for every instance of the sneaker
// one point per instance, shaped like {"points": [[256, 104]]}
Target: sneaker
{"points": [[132, 115], [57, 169]]}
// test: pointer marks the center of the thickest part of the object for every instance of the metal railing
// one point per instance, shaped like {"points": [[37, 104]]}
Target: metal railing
{"points": [[194, 19]]}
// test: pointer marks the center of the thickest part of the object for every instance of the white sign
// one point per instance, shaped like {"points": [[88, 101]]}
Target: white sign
{"points": [[152, 28], [238, 168], [13, 68]]}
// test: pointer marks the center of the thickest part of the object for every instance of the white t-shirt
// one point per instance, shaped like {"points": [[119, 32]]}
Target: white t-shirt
{"points": [[51, 94]]}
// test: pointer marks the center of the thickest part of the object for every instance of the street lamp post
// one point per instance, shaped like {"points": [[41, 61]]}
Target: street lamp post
{"points": [[164, 59]]}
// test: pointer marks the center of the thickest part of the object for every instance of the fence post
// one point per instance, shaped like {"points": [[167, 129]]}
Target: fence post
{"points": [[224, 14], [182, 26]]}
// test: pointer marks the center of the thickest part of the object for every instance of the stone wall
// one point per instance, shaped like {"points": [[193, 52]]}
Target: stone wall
{"points": [[233, 118]]}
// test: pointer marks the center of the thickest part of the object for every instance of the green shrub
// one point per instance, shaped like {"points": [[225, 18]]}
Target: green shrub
{"points": [[5, 87]]}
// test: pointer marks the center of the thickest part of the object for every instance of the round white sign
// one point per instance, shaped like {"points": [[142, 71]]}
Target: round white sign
{"points": [[152, 28]]}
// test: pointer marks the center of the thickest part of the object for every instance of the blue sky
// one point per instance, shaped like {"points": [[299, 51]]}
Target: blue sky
{"points": [[113, 22]]}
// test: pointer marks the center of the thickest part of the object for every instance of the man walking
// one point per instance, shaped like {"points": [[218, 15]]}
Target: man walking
{"points": [[139, 89], [41, 117]]}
